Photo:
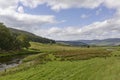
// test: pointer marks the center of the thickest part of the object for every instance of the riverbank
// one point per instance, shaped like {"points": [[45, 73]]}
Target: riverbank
{"points": [[9, 59], [19, 52]]}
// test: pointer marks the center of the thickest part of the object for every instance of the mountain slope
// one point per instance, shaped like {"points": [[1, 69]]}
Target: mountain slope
{"points": [[97, 42], [73, 43], [31, 36], [104, 42]]}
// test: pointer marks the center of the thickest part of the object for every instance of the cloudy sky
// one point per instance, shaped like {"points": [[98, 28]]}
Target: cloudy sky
{"points": [[63, 19]]}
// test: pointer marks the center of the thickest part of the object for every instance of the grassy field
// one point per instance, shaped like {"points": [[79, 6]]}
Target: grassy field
{"points": [[17, 53], [57, 62]]}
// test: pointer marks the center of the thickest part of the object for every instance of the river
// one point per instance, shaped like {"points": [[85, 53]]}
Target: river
{"points": [[8, 62]]}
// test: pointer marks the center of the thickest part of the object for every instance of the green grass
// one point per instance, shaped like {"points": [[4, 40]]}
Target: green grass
{"points": [[19, 52], [57, 62], [71, 53], [93, 69]]}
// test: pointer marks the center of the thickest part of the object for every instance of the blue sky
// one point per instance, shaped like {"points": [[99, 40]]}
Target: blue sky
{"points": [[63, 19], [72, 16]]}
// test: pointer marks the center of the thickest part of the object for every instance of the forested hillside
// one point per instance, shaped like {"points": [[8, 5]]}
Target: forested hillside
{"points": [[13, 39], [31, 36], [10, 41]]}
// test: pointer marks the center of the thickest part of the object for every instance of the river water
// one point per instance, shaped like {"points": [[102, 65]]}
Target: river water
{"points": [[8, 62]]}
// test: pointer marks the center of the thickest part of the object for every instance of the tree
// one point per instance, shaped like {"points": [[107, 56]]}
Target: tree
{"points": [[24, 41], [6, 38], [10, 41]]}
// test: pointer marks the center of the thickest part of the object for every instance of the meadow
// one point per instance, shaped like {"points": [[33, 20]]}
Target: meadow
{"points": [[59, 62]]}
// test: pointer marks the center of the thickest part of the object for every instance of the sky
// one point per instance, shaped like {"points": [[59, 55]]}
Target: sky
{"points": [[63, 19]]}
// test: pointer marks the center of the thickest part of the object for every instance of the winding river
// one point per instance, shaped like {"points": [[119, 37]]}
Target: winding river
{"points": [[8, 62]]}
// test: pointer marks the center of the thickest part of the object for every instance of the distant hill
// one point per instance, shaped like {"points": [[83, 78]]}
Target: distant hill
{"points": [[104, 42], [97, 42], [31, 36], [72, 43]]}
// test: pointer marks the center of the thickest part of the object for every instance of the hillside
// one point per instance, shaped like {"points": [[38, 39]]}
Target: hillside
{"points": [[31, 36], [97, 42], [104, 42], [73, 43]]}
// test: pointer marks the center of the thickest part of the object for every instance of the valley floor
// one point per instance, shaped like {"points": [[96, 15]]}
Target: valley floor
{"points": [[95, 68]]}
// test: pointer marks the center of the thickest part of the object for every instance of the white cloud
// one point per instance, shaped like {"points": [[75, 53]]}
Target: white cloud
{"points": [[97, 30], [20, 9], [8, 4], [63, 4], [13, 15], [32, 3], [58, 5], [25, 20], [112, 3]]}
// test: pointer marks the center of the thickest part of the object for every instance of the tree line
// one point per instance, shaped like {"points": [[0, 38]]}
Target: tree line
{"points": [[11, 41]]}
